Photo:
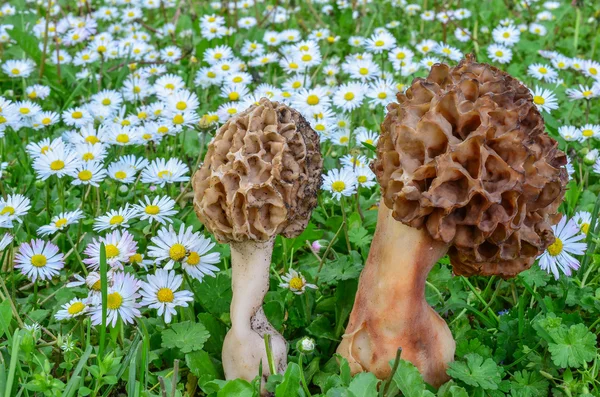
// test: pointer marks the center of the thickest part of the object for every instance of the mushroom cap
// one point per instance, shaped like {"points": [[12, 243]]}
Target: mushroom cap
{"points": [[261, 175], [464, 155]]}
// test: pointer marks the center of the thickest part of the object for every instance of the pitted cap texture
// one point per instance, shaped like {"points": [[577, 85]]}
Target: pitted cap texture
{"points": [[260, 176], [464, 154]]}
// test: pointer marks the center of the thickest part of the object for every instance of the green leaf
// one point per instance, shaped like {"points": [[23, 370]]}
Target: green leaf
{"points": [[466, 346], [290, 386], [214, 293], [528, 384], [5, 317], [202, 366], [409, 380], [360, 237], [476, 372], [185, 336], [451, 389], [573, 347], [364, 385], [345, 267], [238, 388]]}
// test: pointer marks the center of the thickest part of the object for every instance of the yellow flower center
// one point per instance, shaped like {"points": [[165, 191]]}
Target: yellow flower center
{"points": [[136, 89], [85, 57], [7, 210], [234, 96], [88, 156], [111, 251], [556, 247], [165, 295], [60, 223], [382, 95], [193, 259], [46, 120], [499, 53], [142, 115], [212, 75], [181, 105], [123, 138], [136, 258], [85, 175], [349, 96], [76, 308], [593, 71], [177, 252], [15, 71], [312, 100], [585, 227], [401, 55], [543, 70], [296, 283], [120, 175], [344, 139], [506, 35], [92, 139], [379, 43], [116, 220], [232, 110], [338, 186], [363, 71], [152, 209], [32, 95], [39, 260], [101, 48], [538, 100], [125, 123], [115, 300], [2, 119], [24, 110], [57, 165], [296, 84], [587, 133], [164, 173], [77, 115], [362, 179], [306, 58], [586, 93], [162, 129], [178, 119]]}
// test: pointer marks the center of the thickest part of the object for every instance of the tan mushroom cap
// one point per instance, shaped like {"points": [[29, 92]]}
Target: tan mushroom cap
{"points": [[260, 176], [464, 154]]}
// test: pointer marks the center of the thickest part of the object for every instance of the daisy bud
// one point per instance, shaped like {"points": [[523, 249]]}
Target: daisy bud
{"points": [[316, 246], [40, 184], [123, 190], [306, 345]]}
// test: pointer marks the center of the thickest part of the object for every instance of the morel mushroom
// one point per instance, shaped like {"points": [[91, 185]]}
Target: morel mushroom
{"points": [[260, 178], [466, 169]]}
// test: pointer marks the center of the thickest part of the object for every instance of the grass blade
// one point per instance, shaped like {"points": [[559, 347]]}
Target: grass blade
{"points": [[14, 357], [104, 289], [71, 387]]}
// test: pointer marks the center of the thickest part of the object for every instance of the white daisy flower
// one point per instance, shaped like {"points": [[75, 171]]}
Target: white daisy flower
{"points": [[88, 173], [583, 220], [161, 171], [159, 209], [60, 222], [13, 208], [542, 72], [6, 239], [60, 161], [499, 53], [172, 246], [544, 99], [589, 131], [570, 133], [349, 96], [39, 260], [364, 176], [119, 247], [583, 92], [75, 308], [568, 242], [364, 135], [121, 301], [353, 161], [160, 292], [507, 35], [295, 282], [115, 219], [340, 182]]}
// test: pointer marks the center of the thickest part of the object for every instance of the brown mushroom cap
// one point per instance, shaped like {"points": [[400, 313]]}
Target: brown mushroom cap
{"points": [[464, 154], [260, 176]]}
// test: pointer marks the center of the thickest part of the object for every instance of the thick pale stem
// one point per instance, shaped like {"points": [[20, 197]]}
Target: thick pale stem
{"points": [[244, 346], [390, 310]]}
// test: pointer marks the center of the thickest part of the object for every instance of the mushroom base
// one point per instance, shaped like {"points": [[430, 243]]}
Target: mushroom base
{"points": [[390, 310], [244, 346]]}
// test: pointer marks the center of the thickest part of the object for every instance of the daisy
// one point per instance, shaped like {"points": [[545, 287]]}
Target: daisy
{"points": [[16, 68], [363, 70], [89, 152], [583, 92], [380, 42], [60, 161], [570, 133], [77, 117], [499, 53], [115, 219], [426, 46], [542, 72], [307, 99], [349, 96], [159, 209], [13, 208], [364, 135], [544, 99], [161, 171], [364, 176], [171, 246], [160, 292], [27, 109], [75, 308], [45, 119], [6, 239], [380, 92], [506, 35], [583, 219], [37, 91], [119, 247], [88, 173], [295, 282], [60, 222], [340, 182], [568, 242], [182, 100], [121, 301], [590, 131], [341, 137], [591, 69], [351, 161], [199, 262], [39, 260]]}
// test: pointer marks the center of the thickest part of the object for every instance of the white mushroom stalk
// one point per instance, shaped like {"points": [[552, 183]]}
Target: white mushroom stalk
{"points": [[260, 178]]}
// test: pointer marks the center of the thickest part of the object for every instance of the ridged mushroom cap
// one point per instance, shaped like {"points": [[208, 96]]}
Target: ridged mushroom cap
{"points": [[464, 154], [260, 176]]}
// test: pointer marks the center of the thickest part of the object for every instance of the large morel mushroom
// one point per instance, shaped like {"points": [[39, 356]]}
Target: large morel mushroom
{"points": [[465, 169], [260, 178]]}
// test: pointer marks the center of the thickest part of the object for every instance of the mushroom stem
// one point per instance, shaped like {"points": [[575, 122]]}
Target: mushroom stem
{"points": [[390, 309], [244, 346]]}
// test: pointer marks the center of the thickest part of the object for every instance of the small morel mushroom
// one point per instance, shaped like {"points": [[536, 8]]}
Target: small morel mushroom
{"points": [[465, 169], [260, 178]]}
